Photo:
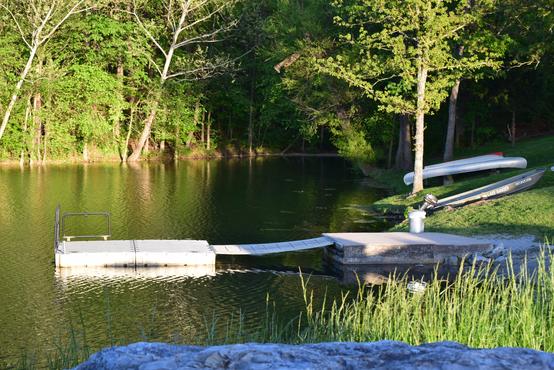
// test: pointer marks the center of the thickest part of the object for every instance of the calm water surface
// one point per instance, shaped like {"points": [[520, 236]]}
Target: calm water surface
{"points": [[238, 201]]}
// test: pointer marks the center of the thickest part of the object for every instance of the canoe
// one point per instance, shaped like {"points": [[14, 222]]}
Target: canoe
{"points": [[496, 190], [477, 159], [474, 164]]}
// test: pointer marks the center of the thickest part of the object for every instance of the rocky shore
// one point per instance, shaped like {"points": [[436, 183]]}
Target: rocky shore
{"points": [[375, 355]]}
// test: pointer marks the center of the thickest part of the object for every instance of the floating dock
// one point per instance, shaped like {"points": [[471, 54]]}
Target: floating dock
{"points": [[399, 248], [134, 253]]}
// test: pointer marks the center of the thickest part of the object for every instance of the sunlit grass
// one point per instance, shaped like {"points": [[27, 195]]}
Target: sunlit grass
{"points": [[477, 307], [529, 212]]}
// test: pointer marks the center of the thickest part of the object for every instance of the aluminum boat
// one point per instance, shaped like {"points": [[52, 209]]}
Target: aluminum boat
{"points": [[498, 189]]}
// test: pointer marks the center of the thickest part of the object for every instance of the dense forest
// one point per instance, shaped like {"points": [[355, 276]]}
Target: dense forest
{"points": [[132, 79]]}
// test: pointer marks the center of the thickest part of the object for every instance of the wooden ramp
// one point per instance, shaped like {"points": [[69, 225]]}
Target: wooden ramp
{"points": [[268, 248]]}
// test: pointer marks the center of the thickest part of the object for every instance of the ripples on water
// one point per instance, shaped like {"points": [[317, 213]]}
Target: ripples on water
{"points": [[219, 201]]}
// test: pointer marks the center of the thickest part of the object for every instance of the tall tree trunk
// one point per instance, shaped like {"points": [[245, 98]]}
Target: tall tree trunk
{"points": [[44, 145], [389, 159], [15, 93], [420, 128], [208, 129], [449, 143], [195, 121], [37, 123], [135, 156], [145, 135], [230, 128], [25, 128], [251, 113], [404, 158], [177, 146], [85, 152], [202, 136], [513, 127], [472, 138], [117, 123], [128, 137]]}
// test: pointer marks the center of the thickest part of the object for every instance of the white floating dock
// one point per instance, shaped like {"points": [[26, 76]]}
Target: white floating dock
{"points": [[134, 253], [149, 272]]}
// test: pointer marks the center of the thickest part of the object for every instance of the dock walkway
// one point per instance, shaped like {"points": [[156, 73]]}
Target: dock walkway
{"points": [[268, 248], [344, 248]]}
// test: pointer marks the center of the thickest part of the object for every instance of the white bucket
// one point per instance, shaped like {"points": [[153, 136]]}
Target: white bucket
{"points": [[416, 221]]}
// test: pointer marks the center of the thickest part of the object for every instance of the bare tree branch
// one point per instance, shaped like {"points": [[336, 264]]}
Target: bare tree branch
{"points": [[207, 16], [135, 15], [213, 67], [18, 26], [202, 38], [72, 11]]}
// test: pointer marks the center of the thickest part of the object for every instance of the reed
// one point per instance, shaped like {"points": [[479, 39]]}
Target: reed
{"points": [[477, 307]]}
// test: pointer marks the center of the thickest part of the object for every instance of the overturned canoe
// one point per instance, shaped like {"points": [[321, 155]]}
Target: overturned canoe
{"points": [[474, 164], [498, 189]]}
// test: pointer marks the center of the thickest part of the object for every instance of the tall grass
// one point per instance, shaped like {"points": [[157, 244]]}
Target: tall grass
{"points": [[478, 307]]}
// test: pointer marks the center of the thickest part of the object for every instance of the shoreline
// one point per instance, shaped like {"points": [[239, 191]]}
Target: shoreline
{"points": [[17, 163], [530, 212]]}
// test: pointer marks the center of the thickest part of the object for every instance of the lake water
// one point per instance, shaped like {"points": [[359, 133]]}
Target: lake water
{"points": [[236, 201]]}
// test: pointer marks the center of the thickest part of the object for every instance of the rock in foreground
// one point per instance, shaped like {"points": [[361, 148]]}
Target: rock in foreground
{"points": [[376, 355]]}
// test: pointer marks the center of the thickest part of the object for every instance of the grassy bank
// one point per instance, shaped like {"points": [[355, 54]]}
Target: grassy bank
{"points": [[530, 212], [476, 307]]}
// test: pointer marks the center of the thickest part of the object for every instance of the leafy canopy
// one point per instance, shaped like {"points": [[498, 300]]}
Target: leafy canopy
{"points": [[386, 41]]}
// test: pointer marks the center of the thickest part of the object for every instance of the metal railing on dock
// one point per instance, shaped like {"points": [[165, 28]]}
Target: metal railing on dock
{"points": [[59, 228]]}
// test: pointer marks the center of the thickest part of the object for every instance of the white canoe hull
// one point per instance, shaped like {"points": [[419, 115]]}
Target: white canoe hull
{"points": [[477, 159], [490, 162]]}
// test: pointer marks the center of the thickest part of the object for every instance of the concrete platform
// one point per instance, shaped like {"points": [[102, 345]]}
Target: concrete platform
{"points": [[134, 253], [400, 248]]}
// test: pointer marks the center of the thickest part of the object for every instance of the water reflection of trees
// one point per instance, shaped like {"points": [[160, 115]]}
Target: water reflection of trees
{"points": [[220, 201]]}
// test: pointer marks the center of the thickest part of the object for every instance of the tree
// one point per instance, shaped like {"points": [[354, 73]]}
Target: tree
{"points": [[36, 21], [189, 27], [400, 54], [478, 40]]}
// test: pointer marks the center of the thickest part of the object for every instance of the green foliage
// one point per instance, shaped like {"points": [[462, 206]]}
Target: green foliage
{"points": [[353, 144], [385, 42], [101, 62], [87, 102]]}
